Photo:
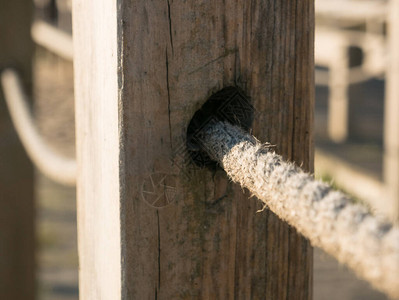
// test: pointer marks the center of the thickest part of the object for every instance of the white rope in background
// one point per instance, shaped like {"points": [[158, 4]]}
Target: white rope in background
{"points": [[48, 161], [328, 218]]}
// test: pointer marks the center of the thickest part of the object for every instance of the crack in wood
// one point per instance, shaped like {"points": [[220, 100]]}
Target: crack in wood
{"points": [[168, 89], [225, 54], [170, 28]]}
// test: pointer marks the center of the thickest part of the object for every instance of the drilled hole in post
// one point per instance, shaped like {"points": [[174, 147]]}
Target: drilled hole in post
{"points": [[228, 105]]}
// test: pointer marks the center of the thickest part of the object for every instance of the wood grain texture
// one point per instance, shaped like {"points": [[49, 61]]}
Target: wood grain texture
{"points": [[209, 242], [391, 115], [17, 277], [97, 148]]}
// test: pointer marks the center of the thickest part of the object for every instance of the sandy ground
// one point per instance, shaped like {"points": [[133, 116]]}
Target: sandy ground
{"points": [[57, 258]]}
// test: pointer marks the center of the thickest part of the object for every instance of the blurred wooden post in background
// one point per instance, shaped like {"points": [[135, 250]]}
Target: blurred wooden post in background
{"points": [[16, 172], [338, 101], [391, 130], [151, 225]]}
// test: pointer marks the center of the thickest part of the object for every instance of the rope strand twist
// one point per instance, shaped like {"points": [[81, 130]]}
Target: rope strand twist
{"points": [[328, 218]]}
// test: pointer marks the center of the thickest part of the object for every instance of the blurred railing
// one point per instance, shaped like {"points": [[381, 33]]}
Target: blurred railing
{"points": [[341, 26]]}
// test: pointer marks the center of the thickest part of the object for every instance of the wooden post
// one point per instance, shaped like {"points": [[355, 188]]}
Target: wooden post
{"points": [[338, 99], [152, 225], [391, 118], [16, 172]]}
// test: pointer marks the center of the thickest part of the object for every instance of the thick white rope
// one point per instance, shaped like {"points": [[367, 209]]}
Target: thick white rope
{"points": [[50, 163], [328, 218]]}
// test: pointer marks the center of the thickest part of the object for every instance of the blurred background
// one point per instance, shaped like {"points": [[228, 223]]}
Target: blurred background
{"points": [[351, 54]]}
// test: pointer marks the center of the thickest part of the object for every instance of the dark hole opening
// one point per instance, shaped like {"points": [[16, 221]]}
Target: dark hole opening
{"points": [[228, 105]]}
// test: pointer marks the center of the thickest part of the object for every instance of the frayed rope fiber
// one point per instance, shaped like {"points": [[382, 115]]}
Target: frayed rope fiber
{"points": [[367, 244]]}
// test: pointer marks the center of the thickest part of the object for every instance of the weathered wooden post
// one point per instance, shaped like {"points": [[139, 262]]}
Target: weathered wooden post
{"points": [[391, 118], [152, 225], [16, 172]]}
